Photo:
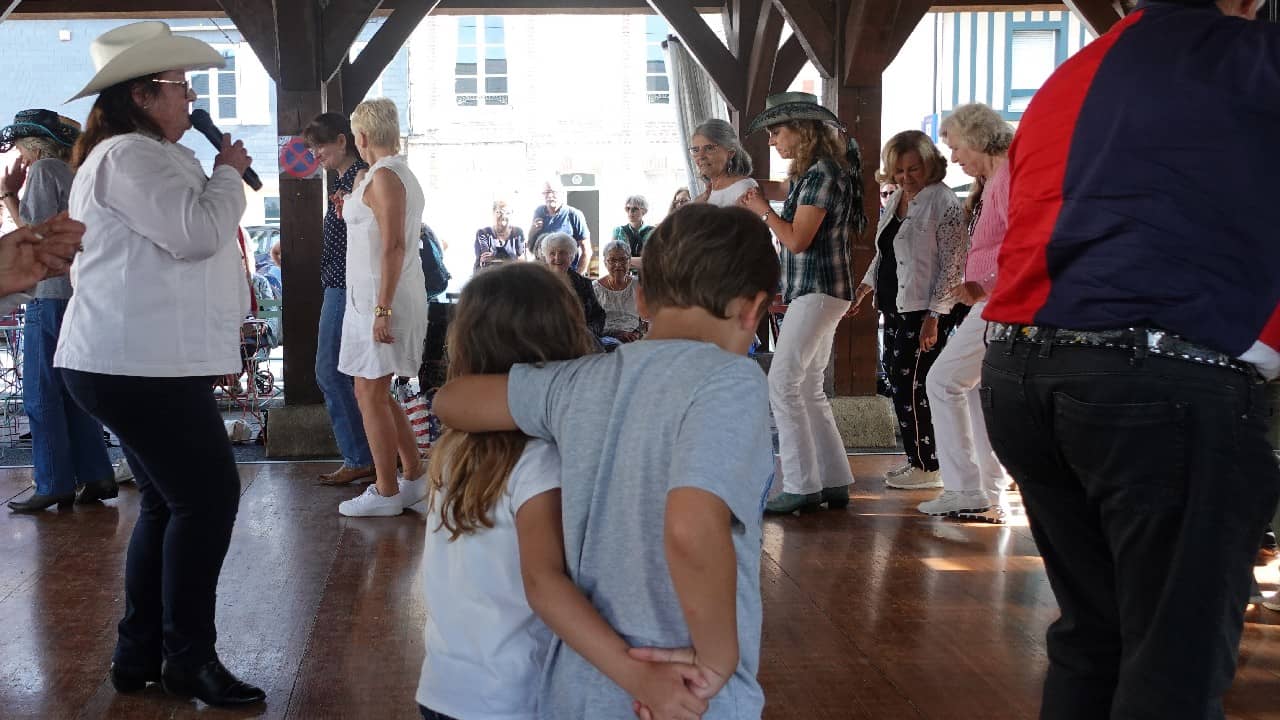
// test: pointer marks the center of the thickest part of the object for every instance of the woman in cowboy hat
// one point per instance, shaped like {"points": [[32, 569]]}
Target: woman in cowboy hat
{"points": [[161, 289], [822, 213], [66, 442]]}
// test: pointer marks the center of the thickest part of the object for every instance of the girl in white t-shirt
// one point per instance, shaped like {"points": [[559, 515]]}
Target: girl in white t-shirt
{"points": [[494, 523]]}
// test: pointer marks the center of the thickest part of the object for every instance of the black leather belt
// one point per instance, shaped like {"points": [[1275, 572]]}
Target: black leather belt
{"points": [[1139, 341]]}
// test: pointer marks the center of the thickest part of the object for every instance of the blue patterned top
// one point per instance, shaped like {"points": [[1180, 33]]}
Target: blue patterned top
{"points": [[333, 259]]}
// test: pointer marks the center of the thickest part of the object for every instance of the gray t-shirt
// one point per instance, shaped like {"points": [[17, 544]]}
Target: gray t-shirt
{"points": [[631, 426], [48, 187]]}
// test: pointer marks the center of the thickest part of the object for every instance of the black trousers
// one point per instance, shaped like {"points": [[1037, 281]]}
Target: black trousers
{"points": [[177, 447], [429, 714], [905, 370], [1147, 482]]}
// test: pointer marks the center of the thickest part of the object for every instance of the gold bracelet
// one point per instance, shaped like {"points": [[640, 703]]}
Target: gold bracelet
{"points": [[381, 311]]}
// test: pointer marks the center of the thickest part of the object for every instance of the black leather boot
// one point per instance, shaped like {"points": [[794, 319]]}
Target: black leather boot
{"points": [[127, 680], [104, 489], [39, 502], [210, 682]]}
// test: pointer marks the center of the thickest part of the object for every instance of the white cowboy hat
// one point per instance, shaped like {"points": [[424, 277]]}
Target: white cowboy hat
{"points": [[142, 48]]}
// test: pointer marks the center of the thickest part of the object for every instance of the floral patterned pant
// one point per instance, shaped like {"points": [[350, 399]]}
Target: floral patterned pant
{"points": [[905, 371]]}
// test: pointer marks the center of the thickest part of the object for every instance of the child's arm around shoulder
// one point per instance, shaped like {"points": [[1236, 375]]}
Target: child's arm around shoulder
{"points": [[475, 403]]}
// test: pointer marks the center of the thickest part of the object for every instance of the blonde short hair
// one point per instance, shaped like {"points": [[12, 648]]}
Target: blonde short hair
{"points": [[907, 141], [379, 121]]}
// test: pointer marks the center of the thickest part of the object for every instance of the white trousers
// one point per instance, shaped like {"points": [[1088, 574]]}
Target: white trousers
{"points": [[811, 451], [964, 452]]}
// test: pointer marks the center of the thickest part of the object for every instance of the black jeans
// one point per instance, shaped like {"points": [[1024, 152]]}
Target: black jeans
{"points": [[429, 714], [177, 447], [1147, 481]]}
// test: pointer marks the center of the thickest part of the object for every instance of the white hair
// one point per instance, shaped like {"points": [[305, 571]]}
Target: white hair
{"points": [[558, 239], [638, 201], [615, 246]]}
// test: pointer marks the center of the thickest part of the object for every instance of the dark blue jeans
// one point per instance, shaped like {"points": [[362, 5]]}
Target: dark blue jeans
{"points": [[1147, 482], [177, 447], [429, 714], [66, 442], [339, 389]]}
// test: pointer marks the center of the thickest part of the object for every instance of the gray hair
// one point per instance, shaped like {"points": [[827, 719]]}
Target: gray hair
{"points": [[638, 201], [723, 134], [43, 147], [979, 128], [615, 246], [558, 239]]}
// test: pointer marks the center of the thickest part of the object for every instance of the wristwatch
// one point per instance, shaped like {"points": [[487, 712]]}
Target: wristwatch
{"points": [[381, 311]]}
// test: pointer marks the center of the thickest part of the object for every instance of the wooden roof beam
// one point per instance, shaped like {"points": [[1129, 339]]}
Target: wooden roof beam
{"points": [[1099, 15], [813, 22], [359, 76], [256, 22], [875, 30], [787, 65], [725, 70], [340, 25]]}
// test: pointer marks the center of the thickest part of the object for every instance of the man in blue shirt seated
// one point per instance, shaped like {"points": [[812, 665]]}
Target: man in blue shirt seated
{"points": [[555, 216]]}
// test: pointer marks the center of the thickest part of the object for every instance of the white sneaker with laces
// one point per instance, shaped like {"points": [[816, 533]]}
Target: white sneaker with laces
{"points": [[899, 471], [414, 491], [371, 503], [952, 502], [915, 479]]}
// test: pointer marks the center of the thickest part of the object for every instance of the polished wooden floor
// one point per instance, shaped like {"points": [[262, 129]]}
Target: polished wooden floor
{"points": [[872, 612]]}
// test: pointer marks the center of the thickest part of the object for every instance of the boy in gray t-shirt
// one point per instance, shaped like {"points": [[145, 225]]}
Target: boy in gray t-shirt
{"points": [[666, 462]]}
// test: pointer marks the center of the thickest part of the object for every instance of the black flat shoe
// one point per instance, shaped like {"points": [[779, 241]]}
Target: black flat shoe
{"points": [[127, 679], [836, 497], [95, 492], [39, 502], [211, 682]]}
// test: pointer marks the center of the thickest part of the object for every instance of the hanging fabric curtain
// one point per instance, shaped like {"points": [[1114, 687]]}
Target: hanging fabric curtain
{"points": [[696, 101]]}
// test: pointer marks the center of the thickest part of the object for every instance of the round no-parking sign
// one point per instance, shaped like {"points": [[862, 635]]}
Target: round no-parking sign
{"points": [[296, 159]]}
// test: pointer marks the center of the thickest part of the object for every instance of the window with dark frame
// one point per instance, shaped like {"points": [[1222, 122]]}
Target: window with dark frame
{"points": [[657, 84], [480, 72], [216, 89]]}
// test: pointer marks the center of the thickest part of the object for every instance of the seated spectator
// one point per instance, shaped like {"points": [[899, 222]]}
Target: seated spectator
{"points": [[502, 235], [635, 233], [679, 200], [558, 250], [555, 216], [273, 270], [616, 292]]}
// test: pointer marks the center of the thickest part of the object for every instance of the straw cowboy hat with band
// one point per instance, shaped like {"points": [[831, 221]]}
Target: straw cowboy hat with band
{"points": [[39, 124], [787, 106], [144, 48]]}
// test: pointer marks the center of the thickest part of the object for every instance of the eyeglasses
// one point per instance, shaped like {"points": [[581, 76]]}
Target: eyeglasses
{"points": [[702, 149], [632, 208], [186, 85]]}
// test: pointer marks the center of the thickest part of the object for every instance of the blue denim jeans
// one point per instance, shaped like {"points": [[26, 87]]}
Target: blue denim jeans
{"points": [[339, 389], [66, 442]]}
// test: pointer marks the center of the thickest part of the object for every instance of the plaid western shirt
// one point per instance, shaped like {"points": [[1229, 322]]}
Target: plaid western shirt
{"points": [[825, 266]]}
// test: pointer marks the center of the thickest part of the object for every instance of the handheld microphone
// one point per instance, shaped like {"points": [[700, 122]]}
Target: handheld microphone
{"points": [[201, 121]]}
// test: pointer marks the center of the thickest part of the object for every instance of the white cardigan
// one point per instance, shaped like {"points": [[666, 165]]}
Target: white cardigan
{"points": [[161, 288], [931, 247]]}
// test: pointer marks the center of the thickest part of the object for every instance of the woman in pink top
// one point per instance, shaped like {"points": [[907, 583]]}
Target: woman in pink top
{"points": [[973, 479]]}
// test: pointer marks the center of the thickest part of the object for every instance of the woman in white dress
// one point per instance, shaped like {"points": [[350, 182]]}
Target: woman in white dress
{"points": [[722, 162], [385, 323]]}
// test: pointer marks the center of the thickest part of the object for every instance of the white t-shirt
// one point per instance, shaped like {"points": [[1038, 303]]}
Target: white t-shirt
{"points": [[728, 197], [484, 646]]}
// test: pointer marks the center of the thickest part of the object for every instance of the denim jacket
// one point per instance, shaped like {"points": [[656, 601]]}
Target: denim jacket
{"points": [[931, 247]]}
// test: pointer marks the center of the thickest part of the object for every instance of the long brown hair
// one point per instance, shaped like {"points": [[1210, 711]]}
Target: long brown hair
{"points": [[818, 141], [509, 314], [115, 113]]}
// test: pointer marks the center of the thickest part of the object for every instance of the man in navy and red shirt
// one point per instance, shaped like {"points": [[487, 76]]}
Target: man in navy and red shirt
{"points": [[1134, 318]]}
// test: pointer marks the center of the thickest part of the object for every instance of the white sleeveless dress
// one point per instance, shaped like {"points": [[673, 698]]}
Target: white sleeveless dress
{"points": [[360, 356]]}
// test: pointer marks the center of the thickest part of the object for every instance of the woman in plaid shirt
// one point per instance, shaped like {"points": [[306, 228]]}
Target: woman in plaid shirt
{"points": [[822, 213]]}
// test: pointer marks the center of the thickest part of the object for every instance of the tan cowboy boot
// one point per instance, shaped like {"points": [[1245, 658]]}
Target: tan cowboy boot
{"points": [[346, 475]]}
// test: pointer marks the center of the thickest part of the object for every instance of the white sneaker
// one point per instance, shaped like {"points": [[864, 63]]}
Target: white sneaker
{"points": [[915, 479], [1272, 604], [900, 470], [370, 503], [413, 491], [122, 471], [952, 502]]}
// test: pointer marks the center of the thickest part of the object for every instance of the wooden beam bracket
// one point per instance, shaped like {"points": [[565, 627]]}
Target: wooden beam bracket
{"points": [[813, 22], [725, 70]]}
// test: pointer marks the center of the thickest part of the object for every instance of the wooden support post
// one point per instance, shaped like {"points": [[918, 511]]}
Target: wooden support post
{"points": [[856, 344]]}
